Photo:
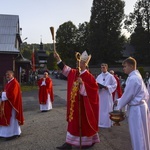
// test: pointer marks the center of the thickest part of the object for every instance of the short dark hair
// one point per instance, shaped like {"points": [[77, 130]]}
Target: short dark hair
{"points": [[104, 64]]}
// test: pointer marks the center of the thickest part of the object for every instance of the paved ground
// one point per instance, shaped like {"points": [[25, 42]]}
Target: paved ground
{"points": [[45, 131]]}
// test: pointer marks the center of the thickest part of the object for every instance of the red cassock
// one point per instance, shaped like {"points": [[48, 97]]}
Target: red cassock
{"points": [[45, 90], [118, 89], [14, 101], [89, 106]]}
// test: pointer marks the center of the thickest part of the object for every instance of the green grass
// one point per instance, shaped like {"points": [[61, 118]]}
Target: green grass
{"points": [[28, 87]]}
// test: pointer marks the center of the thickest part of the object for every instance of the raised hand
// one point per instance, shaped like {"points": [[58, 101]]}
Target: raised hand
{"points": [[56, 55]]}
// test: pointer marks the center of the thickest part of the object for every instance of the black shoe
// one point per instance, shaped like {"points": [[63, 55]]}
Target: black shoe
{"points": [[44, 110], [12, 137], [86, 147], [65, 146]]}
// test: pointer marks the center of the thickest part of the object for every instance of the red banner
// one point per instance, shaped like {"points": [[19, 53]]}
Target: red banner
{"points": [[33, 61]]}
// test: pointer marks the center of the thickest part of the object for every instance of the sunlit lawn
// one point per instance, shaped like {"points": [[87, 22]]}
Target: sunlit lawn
{"points": [[28, 87]]}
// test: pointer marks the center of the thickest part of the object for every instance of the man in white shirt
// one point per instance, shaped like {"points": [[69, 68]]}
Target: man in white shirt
{"points": [[136, 96], [107, 85]]}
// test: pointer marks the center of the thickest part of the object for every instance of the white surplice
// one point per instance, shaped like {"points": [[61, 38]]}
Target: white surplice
{"points": [[106, 99], [136, 96], [13, 128], [148, 88]]}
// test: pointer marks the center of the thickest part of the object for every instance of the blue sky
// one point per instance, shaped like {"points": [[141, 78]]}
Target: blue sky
{"points": [[36, 16]]}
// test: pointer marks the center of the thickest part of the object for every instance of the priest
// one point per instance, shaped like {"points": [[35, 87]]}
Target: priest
{"points": [[82, 104], [11, 113], [46, 96]]}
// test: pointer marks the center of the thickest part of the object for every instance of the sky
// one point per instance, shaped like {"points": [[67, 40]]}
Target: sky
{"points": [[37, 16]]}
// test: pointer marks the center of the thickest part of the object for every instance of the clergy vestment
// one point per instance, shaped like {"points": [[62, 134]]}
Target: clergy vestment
{"points": [[148, 88], [118, 92], [11, 113], [89, 105], [106, 99], [46, 96], [136, 96]]}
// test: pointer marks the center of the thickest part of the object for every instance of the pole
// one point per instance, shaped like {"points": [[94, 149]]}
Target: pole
{"points": [[52, 33], [80, 125]]}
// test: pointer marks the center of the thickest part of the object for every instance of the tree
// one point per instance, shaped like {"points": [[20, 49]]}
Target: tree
{"points": [[106, 41], [137, 23], [51, 62], [66, 42], [139, 41], [26, 51], [82, 37], [142, 11]]}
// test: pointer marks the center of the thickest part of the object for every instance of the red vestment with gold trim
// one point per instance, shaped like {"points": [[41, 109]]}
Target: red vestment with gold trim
{"points": [[14, 101], [89, 105]]}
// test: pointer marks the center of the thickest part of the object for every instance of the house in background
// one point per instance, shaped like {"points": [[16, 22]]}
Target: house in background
{"points": [[42, 56], [10, 43]]}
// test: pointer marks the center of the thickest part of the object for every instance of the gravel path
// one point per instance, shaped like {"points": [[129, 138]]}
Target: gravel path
{"points": [[45, 131]]}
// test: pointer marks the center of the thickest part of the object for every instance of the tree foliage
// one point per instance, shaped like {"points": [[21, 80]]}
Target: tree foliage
{"points": [[51, 62], [66, 42], [141, 14], [106, 41], [101, 36], [82, 37], [137, 23]]}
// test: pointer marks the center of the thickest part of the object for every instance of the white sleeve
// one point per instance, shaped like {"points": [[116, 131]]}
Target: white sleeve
{"points": [[43, 83], [66, 70], [4, 97]]}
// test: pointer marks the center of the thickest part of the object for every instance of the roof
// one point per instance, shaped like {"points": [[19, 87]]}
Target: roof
{"points": [[42, 54], [21, 59], [9, 28]]}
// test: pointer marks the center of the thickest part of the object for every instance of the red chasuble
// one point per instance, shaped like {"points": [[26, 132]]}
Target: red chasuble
{"points": [[45, 90], [14, 101], [118, 89], [89, 106]]}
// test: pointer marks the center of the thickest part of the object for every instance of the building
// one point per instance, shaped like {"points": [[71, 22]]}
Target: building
{"points": [[42, 58], [10, 43]]}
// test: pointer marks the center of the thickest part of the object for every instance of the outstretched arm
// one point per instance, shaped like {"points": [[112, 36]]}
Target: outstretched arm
{"points": [[59, 61], [56, 55]]}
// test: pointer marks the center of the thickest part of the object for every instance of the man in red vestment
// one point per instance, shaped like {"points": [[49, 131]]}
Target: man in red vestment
{"points": [[82, 104], [46, 96], [11, 113]]}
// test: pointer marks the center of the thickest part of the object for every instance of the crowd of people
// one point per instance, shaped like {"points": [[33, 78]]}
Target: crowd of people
{"points": [[89, 101], [135, 96]]}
